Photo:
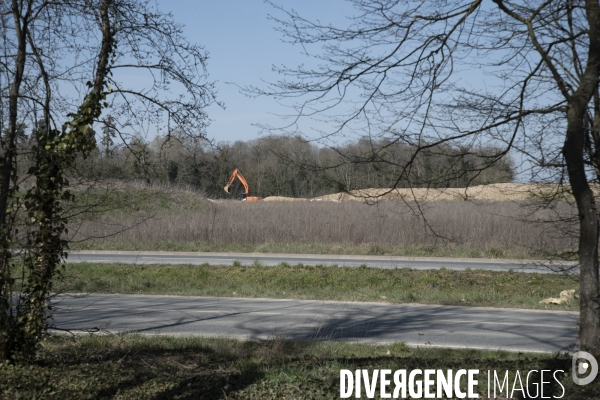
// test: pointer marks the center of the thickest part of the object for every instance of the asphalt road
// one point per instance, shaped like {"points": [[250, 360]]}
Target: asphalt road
{"points": [[266, 259], [425, 325]]}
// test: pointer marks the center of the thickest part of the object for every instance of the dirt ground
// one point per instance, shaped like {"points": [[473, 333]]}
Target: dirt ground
{"points": [[282, 198], [495, 192]]}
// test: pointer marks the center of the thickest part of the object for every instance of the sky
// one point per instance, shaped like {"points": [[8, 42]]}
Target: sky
{"points": [[243, 45]]}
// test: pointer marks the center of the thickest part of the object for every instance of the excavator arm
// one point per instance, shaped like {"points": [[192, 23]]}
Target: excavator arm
{"points": [[236, 174]]}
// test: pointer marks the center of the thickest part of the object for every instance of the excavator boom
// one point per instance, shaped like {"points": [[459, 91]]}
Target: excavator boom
{"points": [[236, 174]]}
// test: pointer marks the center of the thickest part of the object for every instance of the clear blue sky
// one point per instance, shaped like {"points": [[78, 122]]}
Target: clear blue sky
{"points": [[243, 45]]}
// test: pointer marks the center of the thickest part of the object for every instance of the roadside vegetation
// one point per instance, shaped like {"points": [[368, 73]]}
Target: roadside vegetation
{"points": [[184, 221], [477, 288], [161, 367]]}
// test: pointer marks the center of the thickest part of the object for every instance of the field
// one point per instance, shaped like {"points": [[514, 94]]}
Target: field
{"points": [[186, 221]]}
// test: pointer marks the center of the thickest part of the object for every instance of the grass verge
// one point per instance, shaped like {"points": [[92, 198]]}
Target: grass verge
{"points": [[446, 287], [161, 367]]}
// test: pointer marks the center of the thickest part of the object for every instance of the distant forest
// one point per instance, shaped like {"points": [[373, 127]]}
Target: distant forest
{"points": [[291, 166]]}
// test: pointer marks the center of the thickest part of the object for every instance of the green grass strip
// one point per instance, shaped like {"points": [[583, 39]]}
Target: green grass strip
{"points": [[478, 288]]}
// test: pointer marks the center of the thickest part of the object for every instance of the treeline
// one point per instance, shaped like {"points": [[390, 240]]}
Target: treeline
{"points": [[291, 166]]}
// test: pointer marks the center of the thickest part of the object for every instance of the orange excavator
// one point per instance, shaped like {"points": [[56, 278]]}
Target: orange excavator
{"points": [[236, 174]]}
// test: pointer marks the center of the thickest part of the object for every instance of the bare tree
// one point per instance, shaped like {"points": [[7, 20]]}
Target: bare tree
{"points": [[520, 75], [62, 63]]}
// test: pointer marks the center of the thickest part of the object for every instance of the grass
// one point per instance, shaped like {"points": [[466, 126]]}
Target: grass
{"points": [[162, 367], [446, 287], [106, 197], [464, 229]]}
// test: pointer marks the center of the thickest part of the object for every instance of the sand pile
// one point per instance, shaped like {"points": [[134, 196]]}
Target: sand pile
{"points": [[282, 198], [495, 192]]}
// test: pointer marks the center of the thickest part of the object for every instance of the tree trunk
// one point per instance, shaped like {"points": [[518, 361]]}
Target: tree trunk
{"points": [[573, 150], [574, 153], [8, 175]]}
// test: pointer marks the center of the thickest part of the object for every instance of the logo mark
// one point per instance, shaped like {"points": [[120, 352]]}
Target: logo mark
{"points": [[584, 364]]}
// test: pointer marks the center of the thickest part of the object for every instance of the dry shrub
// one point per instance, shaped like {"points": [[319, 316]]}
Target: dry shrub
{"points": [[483, 225]]}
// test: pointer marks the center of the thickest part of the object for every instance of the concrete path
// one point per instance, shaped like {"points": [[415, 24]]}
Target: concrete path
{"points": [[266, 259]]}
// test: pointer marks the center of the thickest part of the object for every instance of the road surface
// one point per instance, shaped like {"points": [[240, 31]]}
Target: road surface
{"points": [[266, 259], [425, 325]]}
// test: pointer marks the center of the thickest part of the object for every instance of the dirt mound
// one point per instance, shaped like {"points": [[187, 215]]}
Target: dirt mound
{"points": [[282, 198], [495, 192]]}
